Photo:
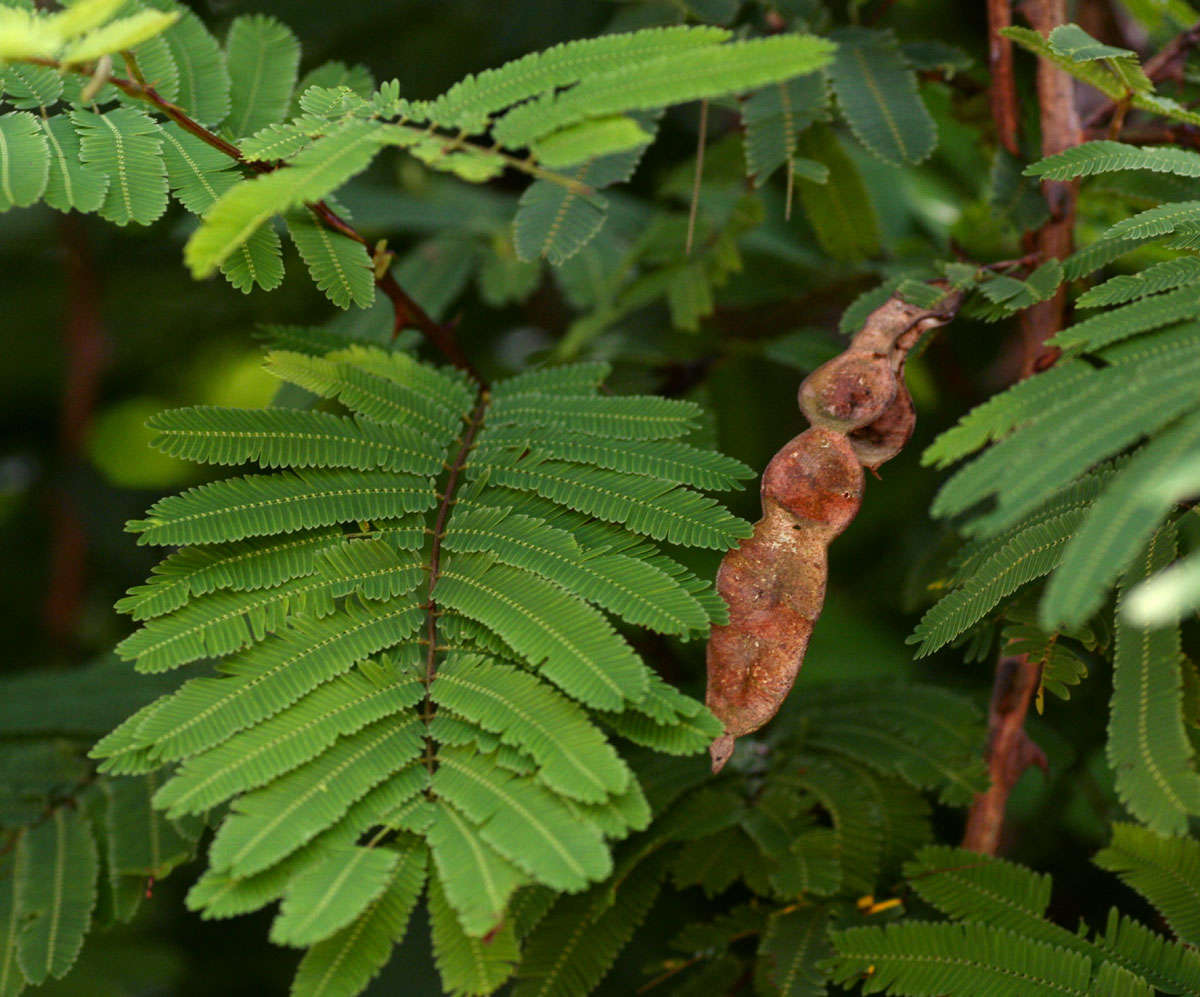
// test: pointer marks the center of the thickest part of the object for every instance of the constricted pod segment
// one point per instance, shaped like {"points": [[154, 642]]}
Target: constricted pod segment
{"points": [[774, 582]]}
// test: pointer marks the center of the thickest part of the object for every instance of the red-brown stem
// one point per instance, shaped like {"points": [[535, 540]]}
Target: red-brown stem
{"points": [[1010, 750], [475, 422], [85, 348], [407, 311], [1060, 131], [1003, 91]]}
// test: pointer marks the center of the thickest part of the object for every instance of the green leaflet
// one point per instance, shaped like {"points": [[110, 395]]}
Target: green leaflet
{"points": [[925, 958], [12, 980], [1031, 553], [263, 57], [244, 567], [667, 79], [1161, 220], [575, 945], [272, 676], [56, 868], [588, 140], [270, 823], [123, 33], [292, 438], [71, 184], [790, 949], [471, 102], [338, 265], [774, 118], [574, 757], [638, 591], [331, 893], [24, 160], [524, 822], [265, 751], [477, 879], [467, 963], [141, 843], [257, 262], [578, 650], [641, 504], [839, 210], [1148, 748], [1003, 412], [1166, 871], [1164, 276], [203, 78], [1074, 440], [196, 172], [555, 221], [1140, 316], [343, 964], [315, 172], [1092, 158], [280, 503], [1118, 526], [29, 88], [877, 93], [126, 145]]}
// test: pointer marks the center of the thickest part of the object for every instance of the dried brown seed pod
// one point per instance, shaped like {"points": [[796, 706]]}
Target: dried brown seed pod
{"points": [[774, 582]]}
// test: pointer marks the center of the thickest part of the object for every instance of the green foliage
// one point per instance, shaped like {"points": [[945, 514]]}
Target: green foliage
{"points": [[999, 941], [398, 663], [877, 93], [315, 728]]}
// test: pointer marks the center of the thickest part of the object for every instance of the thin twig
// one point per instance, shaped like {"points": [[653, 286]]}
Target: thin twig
{"points": [[1166, 64], [474, 423], [1003, 91], [697, 177], [407, 311], [1010, 750]]}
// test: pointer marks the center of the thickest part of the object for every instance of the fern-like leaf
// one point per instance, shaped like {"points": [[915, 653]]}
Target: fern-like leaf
{"points": [[1166, 871], [126, 145], [1148, 748], [877, 93]]}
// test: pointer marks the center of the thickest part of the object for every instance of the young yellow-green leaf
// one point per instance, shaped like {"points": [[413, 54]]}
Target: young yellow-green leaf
{"points": [[24, 160], [589, 139], [24, 35], [315, 172], [117, 36], [339, 266], [84, 16], [667, 79], [56, 891], [878, 95], [126, 145], [263, 57]]}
